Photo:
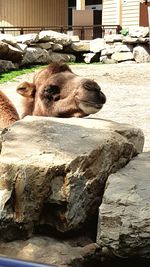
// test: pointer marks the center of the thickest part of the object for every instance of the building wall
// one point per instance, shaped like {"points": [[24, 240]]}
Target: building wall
{"points": [[130, 13], [33, 12], [144, 19], [110, 12]]}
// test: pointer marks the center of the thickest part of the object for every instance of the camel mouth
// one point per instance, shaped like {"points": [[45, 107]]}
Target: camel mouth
{"points": [[92, 104], [89, 107]]}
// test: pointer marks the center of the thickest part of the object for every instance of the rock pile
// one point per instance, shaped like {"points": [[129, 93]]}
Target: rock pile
{"points": [[53, 178], [48, 46]]}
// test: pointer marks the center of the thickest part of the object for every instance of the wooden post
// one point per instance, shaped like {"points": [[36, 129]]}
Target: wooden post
{"points": [[80, 4], [120, 18], [148, 10]]}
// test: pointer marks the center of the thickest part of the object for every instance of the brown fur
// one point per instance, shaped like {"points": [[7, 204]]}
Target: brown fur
{"points": [[8, 113], [56, 91]]}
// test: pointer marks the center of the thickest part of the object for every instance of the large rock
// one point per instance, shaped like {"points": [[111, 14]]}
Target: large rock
{"points": [[3, 48], [8, 38], [135, 31], [124, 216], [123, 47], [81, 46], [91, 57], [141, 53], [46, 45], [57, 47], [130, 40], [27, 38], [10, 52], [111, 38], [53, 171], [122, 56], [97, 45], [22, 47], [34, 55], [56, 57], [6, 65], [109, 50], [116, 47], [50, 251], [55, 37]]}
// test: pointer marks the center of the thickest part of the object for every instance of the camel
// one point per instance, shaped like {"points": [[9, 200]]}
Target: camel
{"points": [[8, 113], [58, 92]]}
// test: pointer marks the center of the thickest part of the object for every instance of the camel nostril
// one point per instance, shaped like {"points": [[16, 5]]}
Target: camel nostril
{"points": [[103, 98]]}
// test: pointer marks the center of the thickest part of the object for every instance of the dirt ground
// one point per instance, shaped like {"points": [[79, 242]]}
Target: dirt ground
{"points": [[127, 88]]}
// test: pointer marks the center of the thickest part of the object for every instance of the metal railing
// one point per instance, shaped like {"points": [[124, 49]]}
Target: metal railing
{"points": [[84, 32]]}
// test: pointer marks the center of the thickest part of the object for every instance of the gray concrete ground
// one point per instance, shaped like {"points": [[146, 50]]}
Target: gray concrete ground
{"points": [[127, 87]]}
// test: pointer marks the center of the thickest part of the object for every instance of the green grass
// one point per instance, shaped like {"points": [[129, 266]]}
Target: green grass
{"points": [[11, 75]]}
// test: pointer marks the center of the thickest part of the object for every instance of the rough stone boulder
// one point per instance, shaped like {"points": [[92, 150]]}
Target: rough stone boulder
{"points": [[10, 52], [50, 251], [56, 57], [97, 45], [141, 54], [122, 56], [28, 38], [53, 171], [135, 31], [80, 46], [124, 215], [35, 55], [6, 65], [8, 38], [55, 37]]}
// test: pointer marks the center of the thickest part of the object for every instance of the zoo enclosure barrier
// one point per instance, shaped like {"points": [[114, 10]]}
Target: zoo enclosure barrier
{"points": [[84, 32]]}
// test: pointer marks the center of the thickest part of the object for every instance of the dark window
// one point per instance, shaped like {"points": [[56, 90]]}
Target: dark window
{"points": [[87, 2], [71, 3], [93, 2]]}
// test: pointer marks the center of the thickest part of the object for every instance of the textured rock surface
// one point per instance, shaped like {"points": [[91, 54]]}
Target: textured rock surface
{"points": [[35, 55], [10, 52], [124, 215], [81, 46], [122, 56], [27, 38], [56, 37], [117, 45], [50, 251], [54, 174], [135, 31], [91, 57], [97, 45], [6, 65], [56, 57], [8, 38], [141, 54]]}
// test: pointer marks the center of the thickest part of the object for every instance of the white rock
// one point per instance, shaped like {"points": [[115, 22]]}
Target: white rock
{"points": [[97, 45], [141, 53]]}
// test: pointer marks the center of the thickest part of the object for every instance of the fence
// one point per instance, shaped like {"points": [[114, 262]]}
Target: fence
{"points": [[84, 32]]}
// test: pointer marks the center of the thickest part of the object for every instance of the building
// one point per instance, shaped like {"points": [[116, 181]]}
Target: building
{"points": [[64, 15], [30, 13], [125, 12]]}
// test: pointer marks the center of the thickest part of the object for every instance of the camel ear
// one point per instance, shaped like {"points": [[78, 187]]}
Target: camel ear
{"points": [[26, 89]]}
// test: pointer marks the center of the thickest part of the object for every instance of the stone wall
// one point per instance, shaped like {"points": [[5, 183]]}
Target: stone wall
{"points": [[49, 46]]}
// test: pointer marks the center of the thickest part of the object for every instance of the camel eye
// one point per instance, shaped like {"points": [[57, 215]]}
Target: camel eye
{"points": [[51, 92], [52, 89]]}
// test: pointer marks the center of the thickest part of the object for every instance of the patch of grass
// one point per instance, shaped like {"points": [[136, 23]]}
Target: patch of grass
{"points": [[11, 75]]}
